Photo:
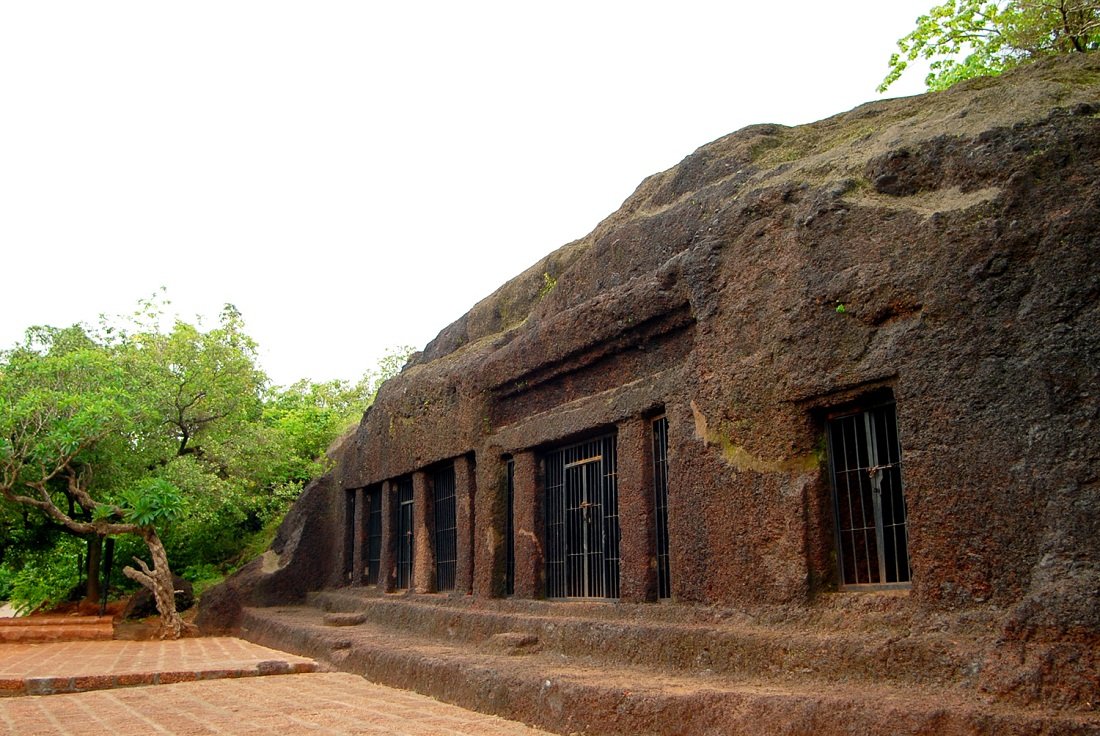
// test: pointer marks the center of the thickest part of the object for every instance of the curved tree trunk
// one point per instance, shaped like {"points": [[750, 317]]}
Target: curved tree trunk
{"points": [[159, 581]]}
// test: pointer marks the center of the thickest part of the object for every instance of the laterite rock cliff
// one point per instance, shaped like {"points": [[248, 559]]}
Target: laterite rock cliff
{"points": [[938, 252]]}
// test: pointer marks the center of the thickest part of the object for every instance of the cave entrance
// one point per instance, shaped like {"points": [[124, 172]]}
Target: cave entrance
{"points": [[582, 521], [869, 503], [404, 532], [660, 505], [510, 529], [446, 528]]}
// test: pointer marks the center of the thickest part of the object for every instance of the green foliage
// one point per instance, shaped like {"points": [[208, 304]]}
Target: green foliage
{"points": [[150, 422], [7, 578], [261, 540], [46, 576], [152, 502], [973, 38], [311, 415], [23, 532], [201, 385], [58, 400], [202, 576]]}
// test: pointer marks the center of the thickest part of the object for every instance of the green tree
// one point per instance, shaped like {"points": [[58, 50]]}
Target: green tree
{"points": [[95, 424], [315, 414], [973, 38], [71, 429], [199, 384], [170, 435]]}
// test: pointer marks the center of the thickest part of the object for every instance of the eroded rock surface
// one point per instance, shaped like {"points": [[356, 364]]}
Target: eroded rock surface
{"points": [[941, 249]]}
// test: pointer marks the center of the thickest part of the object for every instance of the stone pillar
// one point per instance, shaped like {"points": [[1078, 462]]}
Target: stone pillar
{"points": [[488, 534], [423, 577], [387, 564], [465, 495], [530, 529], [358, 539], [637, 542]]}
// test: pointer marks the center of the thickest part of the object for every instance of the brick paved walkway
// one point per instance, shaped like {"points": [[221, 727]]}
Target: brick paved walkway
{"points": [[200, 686], [63, 667], [321, 703]]}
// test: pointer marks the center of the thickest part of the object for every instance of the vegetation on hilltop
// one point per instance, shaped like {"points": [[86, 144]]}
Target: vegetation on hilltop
{"points": [[974, 38]]}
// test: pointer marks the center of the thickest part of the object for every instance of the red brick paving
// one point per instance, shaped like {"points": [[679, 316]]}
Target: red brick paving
{"points": [[208, 696], [66, 667], [320, 703], [56, 628]]}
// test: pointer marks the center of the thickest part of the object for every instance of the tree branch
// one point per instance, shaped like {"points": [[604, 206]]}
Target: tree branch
{"points": [[48, 507], [143, 577]]}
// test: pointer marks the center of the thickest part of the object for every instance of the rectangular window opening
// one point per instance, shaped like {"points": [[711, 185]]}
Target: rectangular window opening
{"points": [[404, 532], [582, 521], [868, 499], [660, 505], [510, 530], [446, 530]]}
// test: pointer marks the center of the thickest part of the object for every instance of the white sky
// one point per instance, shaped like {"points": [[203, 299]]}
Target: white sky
{"points": [[356, 175]]}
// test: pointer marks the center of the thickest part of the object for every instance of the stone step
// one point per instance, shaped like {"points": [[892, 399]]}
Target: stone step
{"points": [[54, 668], [510, 677], [56, 628], [690, 640]]}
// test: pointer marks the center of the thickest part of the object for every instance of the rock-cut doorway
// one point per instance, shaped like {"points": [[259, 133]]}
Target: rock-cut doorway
{"points": [[582, 520]]}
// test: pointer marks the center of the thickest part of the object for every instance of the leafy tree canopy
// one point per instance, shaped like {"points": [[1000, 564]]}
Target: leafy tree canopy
{"points": [[973, 38], [169, 434], [72, 430]]}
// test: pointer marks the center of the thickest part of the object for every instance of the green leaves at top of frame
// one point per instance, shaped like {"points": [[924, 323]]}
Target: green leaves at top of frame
{"points": [[973, 38], [948, 30]]}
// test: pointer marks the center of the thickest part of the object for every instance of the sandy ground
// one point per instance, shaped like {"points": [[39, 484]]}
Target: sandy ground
{"points": [[7, 610]]}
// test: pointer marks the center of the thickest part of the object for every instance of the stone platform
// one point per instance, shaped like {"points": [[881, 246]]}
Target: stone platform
{"points": [[56, 628], [69, 667], [319, 703], [203, 686], [600, 668]]}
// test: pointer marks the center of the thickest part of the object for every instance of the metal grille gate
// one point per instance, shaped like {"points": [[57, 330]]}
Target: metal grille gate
{"points": [[660, 505], [582, 521], [446, 531], [404, 532], [872, 533]]}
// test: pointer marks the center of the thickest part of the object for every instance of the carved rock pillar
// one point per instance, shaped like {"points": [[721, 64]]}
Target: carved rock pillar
{"points": [[637, 547], [358, 539], [530, 563], [488, 532], [387, 566], [465, 495], [423, 577]]}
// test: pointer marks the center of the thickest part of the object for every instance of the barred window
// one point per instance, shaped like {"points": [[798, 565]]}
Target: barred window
{"points": [[869, 502]]}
